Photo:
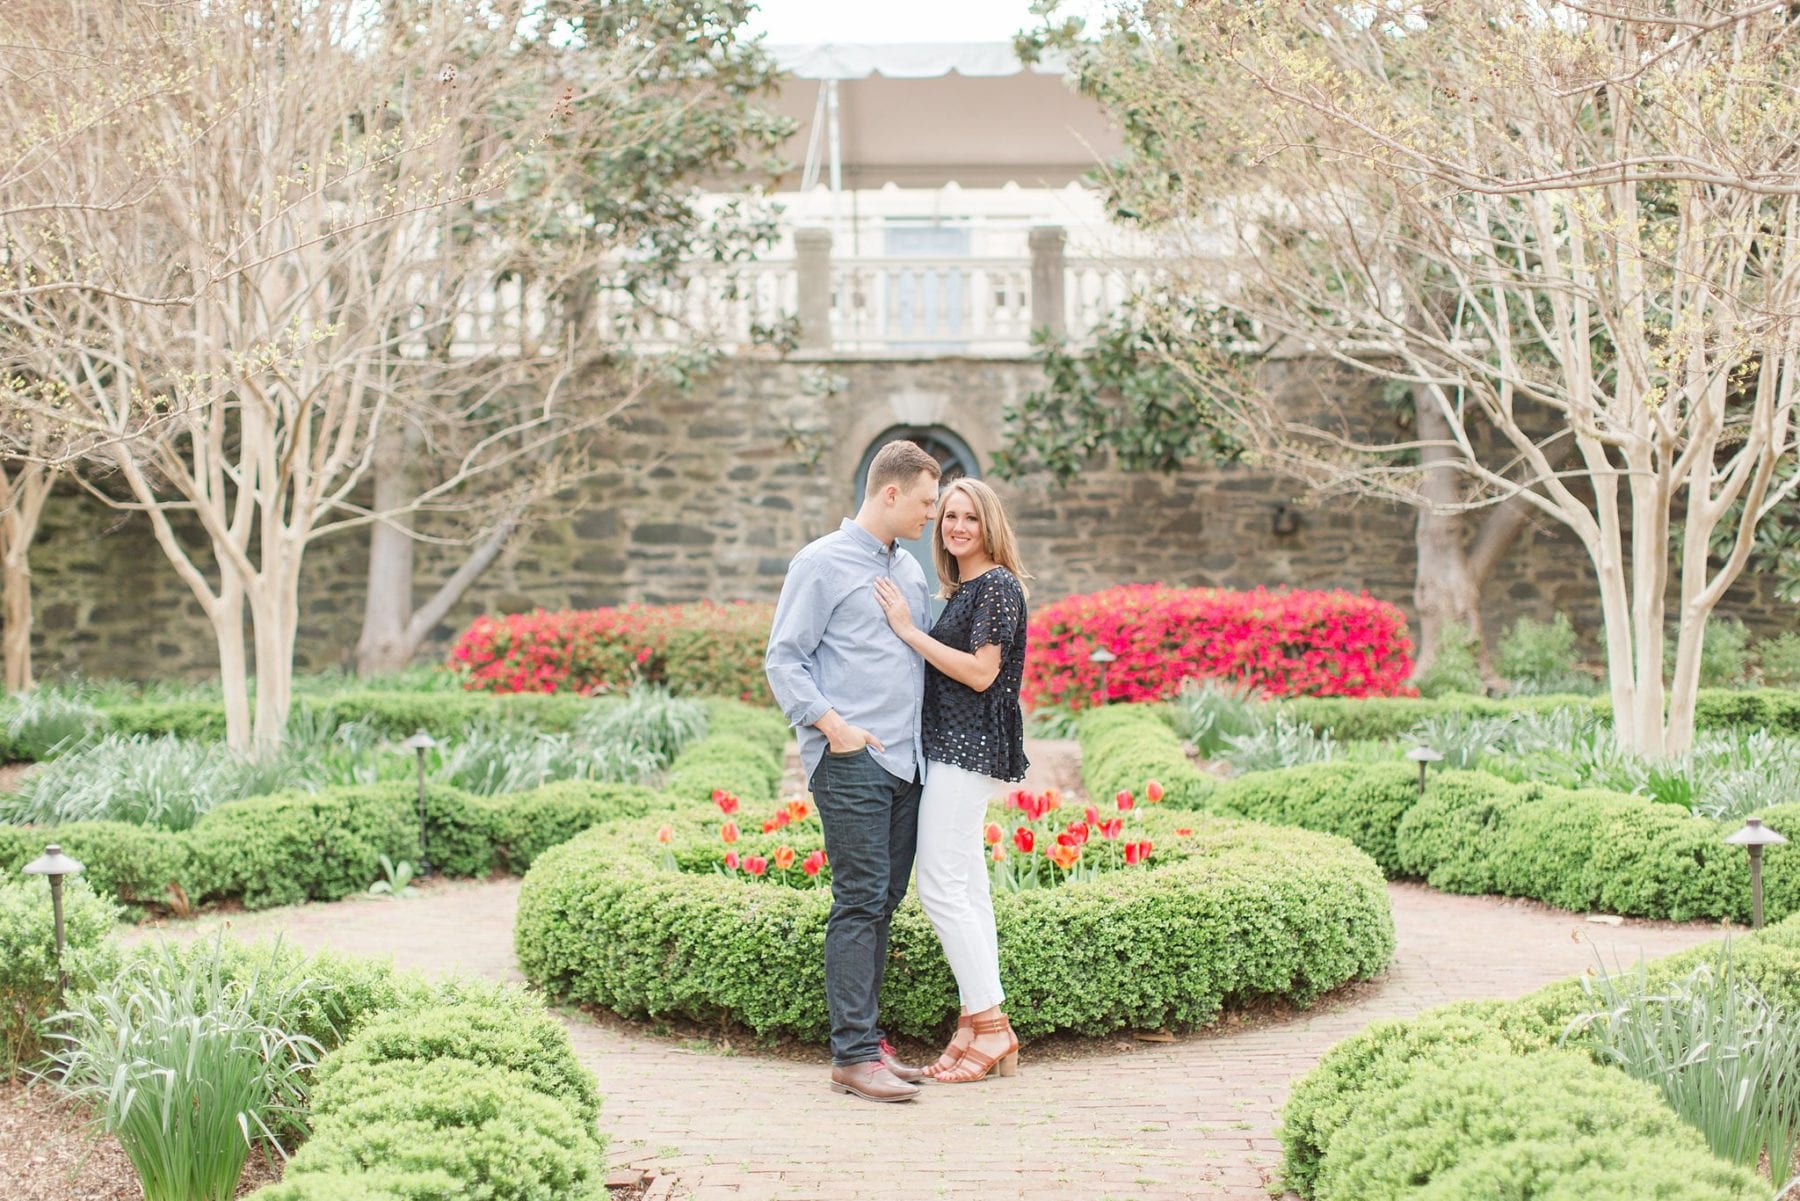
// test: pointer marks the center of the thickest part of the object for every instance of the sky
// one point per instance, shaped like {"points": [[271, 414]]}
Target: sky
{"points": [[807, 21]]}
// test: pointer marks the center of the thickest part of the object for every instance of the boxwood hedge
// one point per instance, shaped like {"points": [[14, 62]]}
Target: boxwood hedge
{"points": [[292, 847], [1472, 1099], [1348, 719], [430, 1089], [1476, 833], [1230, 911]]}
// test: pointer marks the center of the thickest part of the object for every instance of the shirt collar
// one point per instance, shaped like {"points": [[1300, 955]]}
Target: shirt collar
{"points": [[864, 538]]}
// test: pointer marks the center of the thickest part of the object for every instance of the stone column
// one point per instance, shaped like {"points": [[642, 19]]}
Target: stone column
{"points": [[812, 264], [1047, 278]]}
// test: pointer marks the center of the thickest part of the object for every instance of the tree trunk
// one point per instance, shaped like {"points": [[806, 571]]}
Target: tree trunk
{"points": [[17, 619], [275, 618], [388, 599], [23, 494], [393, 630]]}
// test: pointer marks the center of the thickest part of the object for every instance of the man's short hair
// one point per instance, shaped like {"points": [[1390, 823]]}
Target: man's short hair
{"points": [[900, 463]]}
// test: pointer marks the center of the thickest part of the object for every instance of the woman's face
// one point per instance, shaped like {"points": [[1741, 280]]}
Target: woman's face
{"points": [[960, 527]]}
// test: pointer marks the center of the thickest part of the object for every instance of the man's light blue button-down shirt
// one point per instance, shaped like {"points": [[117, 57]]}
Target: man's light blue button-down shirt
{"points": [[832, 648]]}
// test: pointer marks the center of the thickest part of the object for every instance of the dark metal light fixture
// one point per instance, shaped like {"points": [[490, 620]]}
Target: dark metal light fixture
{"points": [[1287, 521], [419, 743], [1755, 836], [56, 865], [1424, 756], [1105, 659]]}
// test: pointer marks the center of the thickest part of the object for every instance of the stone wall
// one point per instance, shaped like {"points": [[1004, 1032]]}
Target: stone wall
{"points": [[708, 495]]}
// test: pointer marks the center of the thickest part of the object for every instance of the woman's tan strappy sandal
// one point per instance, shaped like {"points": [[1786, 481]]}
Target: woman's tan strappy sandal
{"points": [[975, 1065]]}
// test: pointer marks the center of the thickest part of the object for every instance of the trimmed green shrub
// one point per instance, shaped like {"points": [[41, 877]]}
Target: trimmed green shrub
{"points": [[1379, 1058], [523, 825], [767, 728], [1548, 1124], [1351, 720], [1363, 803], [28, 970], [427, 1129], [1355, 1076], [738, 765], [519, 1037], [1125, 746], [1231, 911], [281, 850], [133, 864]]}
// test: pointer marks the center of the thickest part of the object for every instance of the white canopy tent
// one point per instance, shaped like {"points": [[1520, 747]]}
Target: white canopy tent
{"points": [[928, 114]]}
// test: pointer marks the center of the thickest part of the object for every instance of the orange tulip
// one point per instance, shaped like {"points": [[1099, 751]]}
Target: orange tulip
{"points": [[728, 832], [999, 853], [993, 834], [1065, 857], [784, 858], [665, 833], [797, 811], [1153, 792]]}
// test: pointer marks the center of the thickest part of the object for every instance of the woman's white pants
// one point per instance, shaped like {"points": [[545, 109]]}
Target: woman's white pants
{"points": [[952, 866]]}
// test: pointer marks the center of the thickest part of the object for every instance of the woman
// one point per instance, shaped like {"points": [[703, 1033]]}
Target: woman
{"points": [[974, 746]]}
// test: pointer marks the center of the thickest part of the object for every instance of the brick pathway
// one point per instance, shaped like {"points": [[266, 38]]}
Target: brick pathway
{"points": [[1192, 1118]]}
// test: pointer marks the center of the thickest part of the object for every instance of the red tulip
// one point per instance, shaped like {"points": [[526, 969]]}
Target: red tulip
{"points": [[784, 858], [1131, 854], [1153, 792], [1080, 832], [812, 863], [1024, 839], [727, 803], [731, 860], [665, 833], [756, 865], [1183, 833], [993, 834], [770, 825], [1112, 829], [1124, 801], [1093, 816], [729, 832]]}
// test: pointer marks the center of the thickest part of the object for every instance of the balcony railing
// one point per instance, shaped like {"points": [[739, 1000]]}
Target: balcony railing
{"points": [[867, 304]]}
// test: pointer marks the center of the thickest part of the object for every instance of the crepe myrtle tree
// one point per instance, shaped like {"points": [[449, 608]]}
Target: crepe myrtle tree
{"points": [[1569, 233], [352, 228]]}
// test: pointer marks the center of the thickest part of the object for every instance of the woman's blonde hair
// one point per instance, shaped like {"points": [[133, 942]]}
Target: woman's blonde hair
{"points": [[996, 535]]}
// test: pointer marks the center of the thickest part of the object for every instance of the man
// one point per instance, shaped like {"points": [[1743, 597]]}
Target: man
{"points": [[853, 691]]}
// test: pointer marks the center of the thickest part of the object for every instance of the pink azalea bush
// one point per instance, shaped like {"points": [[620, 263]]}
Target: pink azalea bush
{"points": [[1282, 643]]}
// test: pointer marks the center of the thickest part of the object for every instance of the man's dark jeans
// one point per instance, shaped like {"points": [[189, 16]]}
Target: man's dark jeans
{"points": [[871, 820]]}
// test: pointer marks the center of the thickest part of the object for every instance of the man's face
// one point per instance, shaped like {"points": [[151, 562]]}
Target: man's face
{"points": [[915, 506]]}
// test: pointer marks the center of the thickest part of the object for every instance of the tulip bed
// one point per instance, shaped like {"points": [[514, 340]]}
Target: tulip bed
{"points": [[645, 918], [1471, 832], [1476, 1100]]}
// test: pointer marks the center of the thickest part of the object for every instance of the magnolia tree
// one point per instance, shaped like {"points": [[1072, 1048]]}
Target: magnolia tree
{"points": [[1568, 233], [355, 284]]}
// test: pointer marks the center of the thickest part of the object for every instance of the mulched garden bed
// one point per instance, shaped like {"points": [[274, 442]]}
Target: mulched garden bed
{"points": [[51, 1151]]}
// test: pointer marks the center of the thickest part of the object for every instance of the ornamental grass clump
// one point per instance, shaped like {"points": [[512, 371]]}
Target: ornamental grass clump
{"points": [[41, 724], [1725, 1058], [1209, 713], [187, 1069]]}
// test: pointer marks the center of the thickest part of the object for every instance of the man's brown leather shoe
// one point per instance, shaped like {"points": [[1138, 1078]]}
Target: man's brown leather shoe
{"points": [[872, 1082], [890, 1059]]}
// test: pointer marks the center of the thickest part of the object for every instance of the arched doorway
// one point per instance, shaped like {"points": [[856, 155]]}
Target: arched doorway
{"points": [[956, 461]]}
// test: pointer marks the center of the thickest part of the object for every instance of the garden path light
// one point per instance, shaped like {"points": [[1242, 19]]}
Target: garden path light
{"points": [[419, 743], [56, 865], [1105, 659], [1755, 836], [1424, 756]]}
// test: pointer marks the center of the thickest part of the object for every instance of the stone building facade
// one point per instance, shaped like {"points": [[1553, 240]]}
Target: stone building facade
{"points": [[711, 493]]}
